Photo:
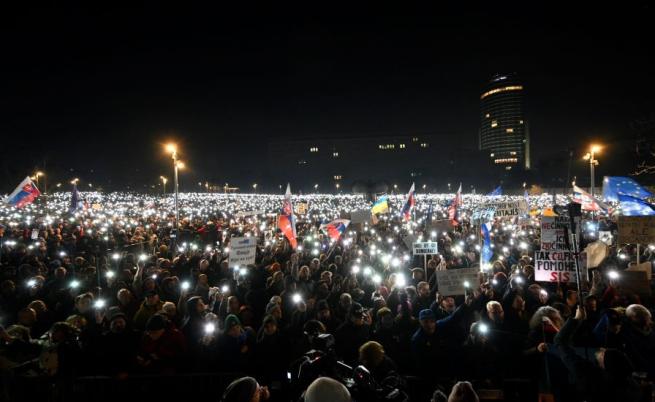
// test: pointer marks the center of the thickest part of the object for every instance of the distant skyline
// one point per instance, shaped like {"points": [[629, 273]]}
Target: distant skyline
{"points": [[95, 92]]}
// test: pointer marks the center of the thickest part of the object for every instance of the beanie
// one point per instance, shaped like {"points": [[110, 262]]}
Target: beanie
{"points": [[240, 390]]}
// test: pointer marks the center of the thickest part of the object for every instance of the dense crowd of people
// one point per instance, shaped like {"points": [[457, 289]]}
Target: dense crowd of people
{"points": [[110, 289]]}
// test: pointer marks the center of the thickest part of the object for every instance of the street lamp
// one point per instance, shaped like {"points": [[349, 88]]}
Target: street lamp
{"points": [[591, 157], [177, 165], [316, 187], [36, 176], [74, 181], [164, 181], [254, 187]]}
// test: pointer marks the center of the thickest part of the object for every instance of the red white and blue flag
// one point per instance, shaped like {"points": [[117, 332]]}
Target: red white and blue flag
{"points": [[454, 206], [409, 204], [286, 221], [587, 202], [24, 194], [335, 228]]}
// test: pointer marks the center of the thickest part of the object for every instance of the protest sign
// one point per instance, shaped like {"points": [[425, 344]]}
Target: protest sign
{"points": [[636, 229], [510, 208], [605, 236], [243, 251], [249, 213], [425, 248], [451, 282], [557, 266], [302, 207], [553, 232], [360, 216]]}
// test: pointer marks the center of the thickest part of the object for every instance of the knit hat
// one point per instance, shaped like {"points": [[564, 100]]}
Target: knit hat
{"points": [[156, 322], [241, 390], [426, 314], [231, 321]]}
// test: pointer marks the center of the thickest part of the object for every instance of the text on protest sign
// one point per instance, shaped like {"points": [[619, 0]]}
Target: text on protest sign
{"points": [[556, 266], [511, 208], [243, 251], [451, 281], [425, 248], [553, 232], [636, 229]]}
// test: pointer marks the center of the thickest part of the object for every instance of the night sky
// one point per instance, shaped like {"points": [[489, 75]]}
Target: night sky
{"points": [[94, 93]]}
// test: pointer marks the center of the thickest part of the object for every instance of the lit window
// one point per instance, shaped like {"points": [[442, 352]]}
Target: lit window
{"points": [[335, 154], [487, 115], [387, 146], [402, 146], [313, 149], [513, 153], [520, 121], [302, 162], [424, 145], [414, 139], [505, 160], [508, 168], [337, 177], [492, 155], [509, 130], [494, 123], [503, 89]]}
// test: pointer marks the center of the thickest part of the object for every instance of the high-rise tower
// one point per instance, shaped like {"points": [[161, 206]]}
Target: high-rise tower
{"points": [[504, 130]]}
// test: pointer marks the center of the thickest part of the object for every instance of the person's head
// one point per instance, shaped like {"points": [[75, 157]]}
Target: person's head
{"points": [[518, 303], [357, 314], [546, 315], [270, 325], [571, 297], [275, 310], [124, 297], [385, 318], [152, 298], [325, 389], [371, 354], [156, 326], [39, 306], [428, 321], [303, 273], [495, 312], [232, 326], [83, 302], [345, 301], [423, 289], [640, 318], [117, 323], [448, 304], [463, 392], [323, 310], [26, 317], [591, 304], [170, 309], [233, 305], [245, 389]]}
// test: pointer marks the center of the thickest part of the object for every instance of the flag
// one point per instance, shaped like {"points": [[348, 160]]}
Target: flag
{"points": [[497, 191], [633, 206], [487, 252], [527, 199], [335, 228], [24, 194], [381, 205], [453, 207], [286, 221], [615, 185], [428, 217], [75, 200], [409, 204], [588, 203]]}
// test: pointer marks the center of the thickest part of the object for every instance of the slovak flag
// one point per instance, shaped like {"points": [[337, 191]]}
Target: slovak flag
{"points": [[286, 221], [587, 202], [24, 194], [409, 204], [453, 207], [335, 228]]}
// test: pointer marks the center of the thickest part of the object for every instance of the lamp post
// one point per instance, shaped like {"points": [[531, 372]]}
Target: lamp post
{"points": [[254, 188], [591, 157], [177, 165], [163, 181]]}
